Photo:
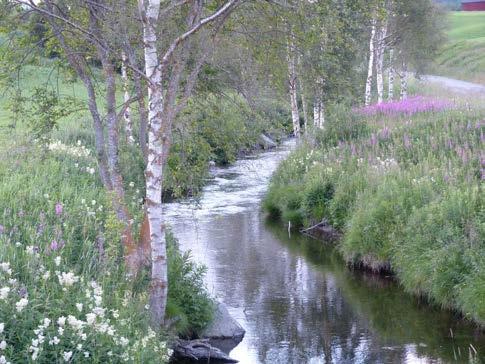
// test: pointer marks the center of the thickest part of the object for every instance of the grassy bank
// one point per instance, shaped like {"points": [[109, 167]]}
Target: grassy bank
{"points": [[462, 56], [217, 126], [404, 183]]}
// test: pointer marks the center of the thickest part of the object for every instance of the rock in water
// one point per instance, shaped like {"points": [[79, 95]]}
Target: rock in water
{"points": [[196, 351], [224, 332], [266, 142]]}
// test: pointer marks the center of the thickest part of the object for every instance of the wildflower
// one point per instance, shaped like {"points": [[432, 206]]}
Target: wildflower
{"points": [[132, 184], [30, 249], [61, 321], [83, 201], [124, 341], [67, 279], [2, 327], [54, 341], [93, 202], [46, 322], [6, 268], [79, 306], [54, 245], [57, 261], [3, 345], [58, 209], [46, 275], [90, 318], [4, 292], [74, 322], [46, 195], [67, 355], [21, 304], [4, 360], [79, 347], [86, 354]]}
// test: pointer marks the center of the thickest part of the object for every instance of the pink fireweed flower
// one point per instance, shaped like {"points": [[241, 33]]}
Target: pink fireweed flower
{"points": [[59, 209], [408, 107], [54, 245]]}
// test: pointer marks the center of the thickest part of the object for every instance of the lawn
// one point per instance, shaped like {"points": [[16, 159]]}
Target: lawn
{"points": [[462, 56]]}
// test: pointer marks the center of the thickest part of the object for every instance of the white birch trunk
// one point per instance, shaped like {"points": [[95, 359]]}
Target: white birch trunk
{"points": [[316, 113], [381, 48], [321, 117], [292, 80], [404, 81], [126, 99], [304, 107], [370, 69], [154, 169], [392, 75]]}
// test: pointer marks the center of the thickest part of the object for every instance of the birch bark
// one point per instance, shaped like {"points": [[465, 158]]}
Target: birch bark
{"points": [[381, 48], [292, 81], [392, 75], [154, 168], [404, 81], [370, 69]]}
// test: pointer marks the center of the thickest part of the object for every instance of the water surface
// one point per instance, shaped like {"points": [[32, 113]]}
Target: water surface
{"points": [[295, 297]]}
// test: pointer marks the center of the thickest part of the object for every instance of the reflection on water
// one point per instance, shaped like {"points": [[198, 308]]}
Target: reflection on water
{"points": [[294, 296]]}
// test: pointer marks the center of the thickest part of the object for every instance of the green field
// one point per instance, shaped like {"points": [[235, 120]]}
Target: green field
{"points": [[463, 55]]}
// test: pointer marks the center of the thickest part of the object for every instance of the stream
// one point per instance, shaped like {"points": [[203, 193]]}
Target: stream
{"points": [[295, 297]]}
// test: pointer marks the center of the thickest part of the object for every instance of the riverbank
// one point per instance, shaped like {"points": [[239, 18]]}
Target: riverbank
{"points": [[403, 182]]}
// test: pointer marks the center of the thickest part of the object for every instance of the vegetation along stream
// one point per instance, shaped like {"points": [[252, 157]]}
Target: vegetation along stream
{"points": [[295, 297]]}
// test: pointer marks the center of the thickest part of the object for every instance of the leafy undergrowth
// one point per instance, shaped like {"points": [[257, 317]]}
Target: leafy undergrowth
{"points": [[405, 188], [63, 292]]}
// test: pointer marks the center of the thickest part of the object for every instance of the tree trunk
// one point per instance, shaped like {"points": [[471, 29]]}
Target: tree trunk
{"points": [[321, 112], [404, 81], [381, 48], [154, 169], [316, 113], [390, 93], [126, 99], [370, 69], [304, 106], [292, 80]]}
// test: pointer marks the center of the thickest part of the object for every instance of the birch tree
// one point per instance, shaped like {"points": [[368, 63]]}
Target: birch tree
{"points": [[293, 85], [370, 66], [380, 51]]}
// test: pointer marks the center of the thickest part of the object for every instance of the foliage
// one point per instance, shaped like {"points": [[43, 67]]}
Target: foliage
{"points": [[60, 256], [406, 196]]}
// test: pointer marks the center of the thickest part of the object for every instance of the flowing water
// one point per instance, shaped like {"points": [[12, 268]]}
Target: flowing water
{"points": [[295, 297]]}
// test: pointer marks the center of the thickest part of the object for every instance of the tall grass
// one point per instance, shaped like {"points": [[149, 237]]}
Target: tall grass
{"points": [[406, 190]]}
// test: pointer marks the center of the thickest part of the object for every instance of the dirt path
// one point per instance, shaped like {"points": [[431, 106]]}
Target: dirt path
{"points": [[457, 86]]}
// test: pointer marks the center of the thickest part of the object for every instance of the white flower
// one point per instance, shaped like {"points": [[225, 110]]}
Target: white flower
{"points": [[60, 330], [4, 292], [99, 311], [93, 202], [3, 345], [79, 143], [6, 268], [79, 347], [30, 249], [20, 305], [18, 243], [46, 275], [46, 195], [2, 327], [84, 336], [61, 321], [132, 184], [86, 354], [57, 261], [79, 306], [67, 278], [4, 360], [74, 322], [83, 201], [55, 340], [124, 341], [90, 318], [46, 322], [67, 355]]}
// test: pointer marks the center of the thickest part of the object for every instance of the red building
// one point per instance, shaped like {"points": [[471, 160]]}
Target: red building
{"points": [[473, 5]]}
